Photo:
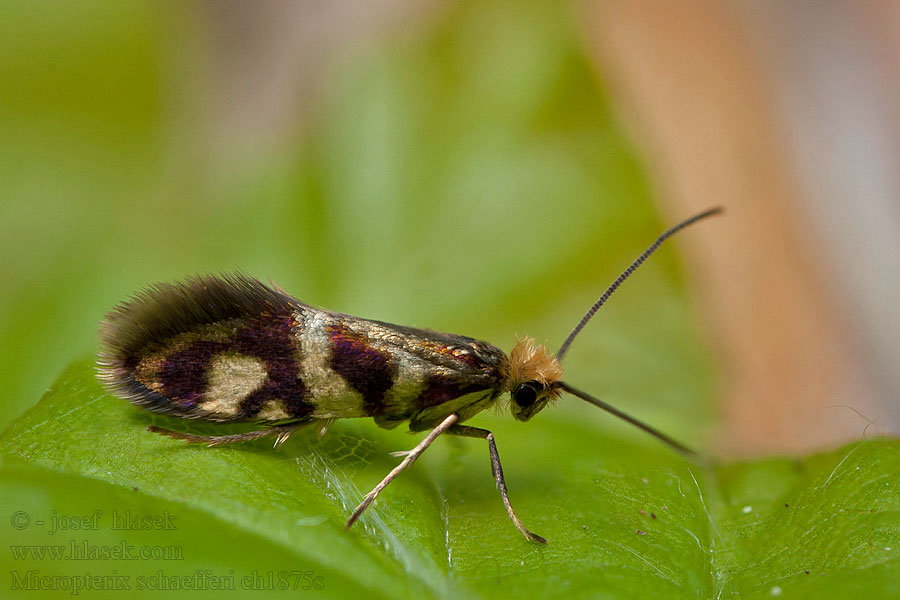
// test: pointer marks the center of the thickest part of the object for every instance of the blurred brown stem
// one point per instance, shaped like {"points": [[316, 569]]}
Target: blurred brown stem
{"points": [[687, 84]]}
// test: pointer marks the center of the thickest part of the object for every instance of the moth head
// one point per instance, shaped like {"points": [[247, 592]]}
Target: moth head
{"points": [[534, 377]]}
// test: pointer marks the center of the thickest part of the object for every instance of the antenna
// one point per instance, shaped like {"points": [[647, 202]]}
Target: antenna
{"points": [[615, 284], [626, 417]]}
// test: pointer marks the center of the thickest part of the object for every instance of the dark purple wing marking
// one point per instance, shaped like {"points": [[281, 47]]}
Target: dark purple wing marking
{"points": [[440, 388], [369, 371], [157, 348]]}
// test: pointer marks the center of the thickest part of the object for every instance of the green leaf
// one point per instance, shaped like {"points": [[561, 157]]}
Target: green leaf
{"points": [[468, 175], [625, 517]]}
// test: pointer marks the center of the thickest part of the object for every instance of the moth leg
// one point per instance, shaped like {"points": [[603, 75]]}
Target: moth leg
{"points": [[497, 469], [407, 461], [326, 424], [282, 432]]}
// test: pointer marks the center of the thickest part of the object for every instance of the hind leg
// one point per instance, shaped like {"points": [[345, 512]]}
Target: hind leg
{"points": [[282, 433]]}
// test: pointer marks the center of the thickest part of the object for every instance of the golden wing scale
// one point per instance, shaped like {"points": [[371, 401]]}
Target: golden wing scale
{"points": [[232, 349]]}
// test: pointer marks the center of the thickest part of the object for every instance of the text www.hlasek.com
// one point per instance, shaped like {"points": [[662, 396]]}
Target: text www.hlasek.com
{"points": [[83, 550], [201, 579]]}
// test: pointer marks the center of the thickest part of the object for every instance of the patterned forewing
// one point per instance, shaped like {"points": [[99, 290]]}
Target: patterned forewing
{"points": [[218, 349], [357, 367], [233, 349]]}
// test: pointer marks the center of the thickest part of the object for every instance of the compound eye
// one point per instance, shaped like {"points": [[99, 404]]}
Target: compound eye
{"points": [[526, 394]]}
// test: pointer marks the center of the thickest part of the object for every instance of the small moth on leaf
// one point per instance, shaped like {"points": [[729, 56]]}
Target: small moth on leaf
{"points": [[232, 349]]}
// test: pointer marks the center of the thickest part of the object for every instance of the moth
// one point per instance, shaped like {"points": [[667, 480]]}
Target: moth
{"points": [[231, 349]]}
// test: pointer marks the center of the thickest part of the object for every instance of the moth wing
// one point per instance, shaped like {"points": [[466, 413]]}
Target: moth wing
{"points": [[416, 374], [212, 348]]}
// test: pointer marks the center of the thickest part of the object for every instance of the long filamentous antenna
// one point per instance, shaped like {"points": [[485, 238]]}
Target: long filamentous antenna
{"points": [[678, 446], [631, 268]]}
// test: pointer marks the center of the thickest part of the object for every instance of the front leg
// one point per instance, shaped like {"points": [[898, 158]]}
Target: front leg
{"points": [[411, 456], [497, 469]]}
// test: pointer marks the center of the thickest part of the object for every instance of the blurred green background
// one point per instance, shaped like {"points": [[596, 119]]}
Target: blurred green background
{"points": [[461, 169], [465, 173]]}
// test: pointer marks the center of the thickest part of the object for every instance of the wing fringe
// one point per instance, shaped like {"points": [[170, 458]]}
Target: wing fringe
{"points": [[164, 310]]}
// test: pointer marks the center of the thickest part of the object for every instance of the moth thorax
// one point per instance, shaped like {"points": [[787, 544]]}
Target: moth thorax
{"points": [[532, 377]]}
